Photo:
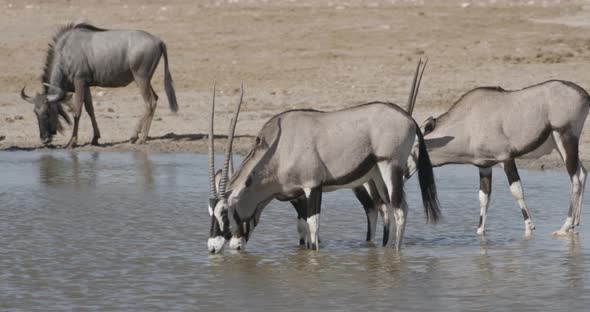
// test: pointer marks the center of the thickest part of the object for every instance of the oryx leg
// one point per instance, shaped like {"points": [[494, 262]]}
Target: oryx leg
{"points": [[362, 193], [90, 110], [393, 176], [485, 190], [567, 145], [516, 190], [313, 204], [247, 227], [380, 195], [79, 96], [299, 205]]}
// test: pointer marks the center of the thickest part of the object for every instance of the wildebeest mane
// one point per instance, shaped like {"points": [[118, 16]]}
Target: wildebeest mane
{"points": [[47, 68]]}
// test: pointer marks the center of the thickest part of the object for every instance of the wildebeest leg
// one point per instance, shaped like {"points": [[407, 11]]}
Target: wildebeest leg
{"points": [[80, 94], [362, 194], [313, 204], [567, 144], [90, 110], [299, 205], [148, 123], [150, 100], [393, 176], [485, 190], [516, 190]]}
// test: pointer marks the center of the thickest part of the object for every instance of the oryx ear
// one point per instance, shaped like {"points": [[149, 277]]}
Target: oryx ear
{"points": [[429, 125]]}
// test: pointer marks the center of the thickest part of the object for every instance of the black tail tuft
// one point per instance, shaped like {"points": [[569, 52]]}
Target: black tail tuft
{"points": [[168, 85], [427, 184]]}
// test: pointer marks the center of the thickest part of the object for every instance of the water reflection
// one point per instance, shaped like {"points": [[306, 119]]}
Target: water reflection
{"points": [[55, 170], [131, 235], [142, 159], [573, 263], [82, 169]]}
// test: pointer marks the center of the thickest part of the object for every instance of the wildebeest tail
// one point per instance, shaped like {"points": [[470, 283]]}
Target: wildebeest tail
{"points": [[426, 178], [168, 85]]}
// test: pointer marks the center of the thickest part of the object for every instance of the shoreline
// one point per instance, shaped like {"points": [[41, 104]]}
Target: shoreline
{"points": [[242, 145]]}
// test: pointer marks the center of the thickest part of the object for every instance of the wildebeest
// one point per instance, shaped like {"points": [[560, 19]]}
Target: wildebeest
{"points": [[83, 56], [490, 125], [303, 152]]}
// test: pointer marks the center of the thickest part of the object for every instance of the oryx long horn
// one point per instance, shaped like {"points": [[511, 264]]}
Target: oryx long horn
{"points": [[212, 188], [411, 96], [415, 95], [228, 151]]}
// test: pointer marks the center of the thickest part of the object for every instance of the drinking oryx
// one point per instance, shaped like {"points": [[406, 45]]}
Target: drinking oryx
{"points": [[339, 149], [489, 126], [82, 56], [367, 193]]}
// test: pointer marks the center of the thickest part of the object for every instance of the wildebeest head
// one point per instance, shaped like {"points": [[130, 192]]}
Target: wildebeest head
{"points": [[48, 107]]}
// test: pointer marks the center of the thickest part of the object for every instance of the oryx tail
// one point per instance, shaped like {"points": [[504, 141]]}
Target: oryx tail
{"points": [[426, 178]]}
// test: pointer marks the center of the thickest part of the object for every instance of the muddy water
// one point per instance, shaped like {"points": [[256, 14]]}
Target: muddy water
{"points": [[127, 232]]}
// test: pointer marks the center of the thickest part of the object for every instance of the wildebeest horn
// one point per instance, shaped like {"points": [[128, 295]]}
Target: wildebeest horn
{"points": [[228, 151], [54, 97], [25, 97], [63, 114], [416, 86], [212, 188]]}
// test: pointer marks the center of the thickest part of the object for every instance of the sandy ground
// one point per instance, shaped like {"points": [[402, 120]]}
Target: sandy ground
{"points": [[295, 54]]}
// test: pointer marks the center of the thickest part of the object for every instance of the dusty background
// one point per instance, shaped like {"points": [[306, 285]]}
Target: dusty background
{"points": [[295, 54]]}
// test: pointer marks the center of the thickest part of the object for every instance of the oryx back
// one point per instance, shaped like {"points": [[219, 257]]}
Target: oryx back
{"points": [[491, 124], [339, 149]]}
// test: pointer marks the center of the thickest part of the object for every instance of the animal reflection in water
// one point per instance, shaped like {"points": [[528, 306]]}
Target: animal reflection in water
{"points": [[79, 171]]}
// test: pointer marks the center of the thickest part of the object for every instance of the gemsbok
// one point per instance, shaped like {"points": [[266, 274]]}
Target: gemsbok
{"points": [[333, 150], [83, 56], [366, 194], [490, 125]]}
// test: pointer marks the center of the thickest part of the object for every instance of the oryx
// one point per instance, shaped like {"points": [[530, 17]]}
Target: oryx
{"points": [[82, 56], [307, 152], [367, 193], [490, 125]]}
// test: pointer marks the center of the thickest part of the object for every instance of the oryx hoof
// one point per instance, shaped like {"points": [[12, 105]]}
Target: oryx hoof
{"points": [[301, 242], [562, 233], [237, 243], [133, 139], [314, 246], [481, 231], [94, 141], [140, 141], [71, 146]]}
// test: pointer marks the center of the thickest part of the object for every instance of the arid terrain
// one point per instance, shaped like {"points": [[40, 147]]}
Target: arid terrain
{"points": [[295, 54]]}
